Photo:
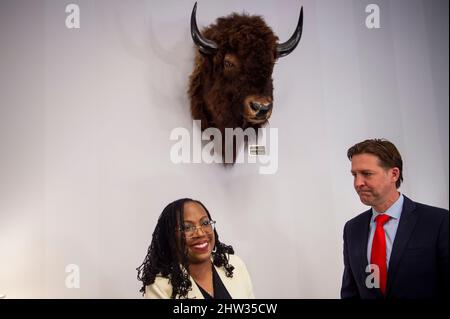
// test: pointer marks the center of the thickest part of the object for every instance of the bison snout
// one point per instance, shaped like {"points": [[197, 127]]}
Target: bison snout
{"points": [[261, 109], [257, 109]]}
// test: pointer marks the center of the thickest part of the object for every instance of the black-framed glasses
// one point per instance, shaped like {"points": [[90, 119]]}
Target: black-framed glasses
{"points": [[207, 227]]}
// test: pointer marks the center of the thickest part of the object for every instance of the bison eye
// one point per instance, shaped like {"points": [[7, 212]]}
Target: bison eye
{"points": [[227, 64]]}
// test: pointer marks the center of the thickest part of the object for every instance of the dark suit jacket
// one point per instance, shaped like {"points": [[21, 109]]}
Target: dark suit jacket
{"points": [[419, 263]]}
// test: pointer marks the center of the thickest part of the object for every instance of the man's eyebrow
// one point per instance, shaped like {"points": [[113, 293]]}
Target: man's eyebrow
{"points": [[360, 171]]}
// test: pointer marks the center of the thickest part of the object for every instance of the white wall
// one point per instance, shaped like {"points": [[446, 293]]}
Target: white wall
{"points": [[85, 119]]}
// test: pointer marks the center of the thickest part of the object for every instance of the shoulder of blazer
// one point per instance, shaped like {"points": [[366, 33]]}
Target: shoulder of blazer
{"points": [[160, 289], [236, 261], [363, 218], [432, 212], [239, 267]]}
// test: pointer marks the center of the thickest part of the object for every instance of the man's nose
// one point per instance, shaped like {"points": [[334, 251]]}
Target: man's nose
{"points": [[359, 181]]}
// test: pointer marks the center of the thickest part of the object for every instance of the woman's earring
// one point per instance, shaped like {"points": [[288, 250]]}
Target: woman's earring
{"points": [[214, 249]]}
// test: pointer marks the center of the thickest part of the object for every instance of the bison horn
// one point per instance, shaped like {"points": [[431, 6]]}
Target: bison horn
{"points": [[287, 47], [206, 46]]}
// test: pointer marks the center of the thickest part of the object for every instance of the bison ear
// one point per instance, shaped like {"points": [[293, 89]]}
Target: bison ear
{"points": [[287, 47], [204, 45]]}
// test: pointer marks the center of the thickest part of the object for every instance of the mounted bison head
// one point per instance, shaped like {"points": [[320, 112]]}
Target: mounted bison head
{"points": [[231, 84]]}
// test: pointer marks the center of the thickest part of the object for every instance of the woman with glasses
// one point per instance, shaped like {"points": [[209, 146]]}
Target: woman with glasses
{"points": [[187, 260]]}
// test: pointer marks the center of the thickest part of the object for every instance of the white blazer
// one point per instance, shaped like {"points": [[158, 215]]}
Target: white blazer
{"points": [[239, 286]]}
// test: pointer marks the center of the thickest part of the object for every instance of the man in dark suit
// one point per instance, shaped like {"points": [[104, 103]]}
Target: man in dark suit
{"points": [[398, 249]]}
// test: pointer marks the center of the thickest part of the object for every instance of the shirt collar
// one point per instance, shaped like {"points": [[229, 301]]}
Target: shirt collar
{"points": [[394, 211]]}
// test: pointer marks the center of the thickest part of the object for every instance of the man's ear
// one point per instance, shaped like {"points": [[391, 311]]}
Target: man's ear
{"points": [[395, 174]]}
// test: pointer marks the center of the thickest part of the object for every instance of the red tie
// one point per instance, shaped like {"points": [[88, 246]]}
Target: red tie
{"points": [[378, 256]]}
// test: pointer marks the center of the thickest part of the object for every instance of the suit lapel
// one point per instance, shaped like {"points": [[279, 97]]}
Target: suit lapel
{"points": [[405, 228], [362, 238], [227, 281], [195, 293]]}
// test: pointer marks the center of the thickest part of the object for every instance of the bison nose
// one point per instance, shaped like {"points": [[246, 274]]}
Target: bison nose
{"points": [[260, 108], [255, 106]]}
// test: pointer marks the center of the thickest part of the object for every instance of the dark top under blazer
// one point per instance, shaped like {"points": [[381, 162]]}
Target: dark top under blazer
{"points": [[220, 291], [419, 262]]}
